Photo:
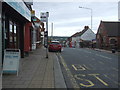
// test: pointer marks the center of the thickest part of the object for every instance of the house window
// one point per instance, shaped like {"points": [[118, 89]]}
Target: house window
{"points": [[113, 41]]}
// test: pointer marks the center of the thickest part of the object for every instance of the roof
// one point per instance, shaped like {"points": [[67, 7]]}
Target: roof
{"points": [[81, 32], [112, 27]]}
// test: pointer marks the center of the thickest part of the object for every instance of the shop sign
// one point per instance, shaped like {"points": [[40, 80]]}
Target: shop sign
{"points": [[33, 13], [11, 61], [20, 7]]}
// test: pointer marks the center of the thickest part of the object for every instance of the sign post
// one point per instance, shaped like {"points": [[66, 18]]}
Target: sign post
{"points": [[44, 18], [11, 61]]}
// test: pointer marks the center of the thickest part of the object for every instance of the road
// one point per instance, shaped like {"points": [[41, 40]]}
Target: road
{"points": [[87, 68]]}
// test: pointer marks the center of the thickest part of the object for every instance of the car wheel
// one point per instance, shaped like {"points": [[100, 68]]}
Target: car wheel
{"points": [[60, 50]]}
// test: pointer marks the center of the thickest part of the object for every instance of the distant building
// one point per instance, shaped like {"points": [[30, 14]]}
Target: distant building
{"points": [[83, 38], [108, 35]]}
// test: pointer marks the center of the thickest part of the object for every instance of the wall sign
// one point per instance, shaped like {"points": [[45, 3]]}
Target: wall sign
{"points": [[20, 7]]}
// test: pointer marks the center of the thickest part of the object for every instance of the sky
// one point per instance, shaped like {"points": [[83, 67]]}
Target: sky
{"points": [[68, 18]]}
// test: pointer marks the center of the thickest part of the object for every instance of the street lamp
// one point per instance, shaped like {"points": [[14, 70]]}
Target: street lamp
{"points": [[91, 13]]}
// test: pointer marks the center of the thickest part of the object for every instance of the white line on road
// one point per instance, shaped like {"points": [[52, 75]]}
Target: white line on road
{"points": [[101, 62], [115, 69], [103, 56]]}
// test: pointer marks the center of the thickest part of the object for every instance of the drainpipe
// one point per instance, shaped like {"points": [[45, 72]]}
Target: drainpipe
{"points": [[0, 44], [0, 35]]}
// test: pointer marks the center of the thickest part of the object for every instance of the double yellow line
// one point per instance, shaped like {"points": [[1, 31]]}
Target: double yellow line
{"points": [[72, 79]]}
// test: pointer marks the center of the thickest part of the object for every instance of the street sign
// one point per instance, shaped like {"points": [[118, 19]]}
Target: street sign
{"points": [[11, 61], [43, 17]]}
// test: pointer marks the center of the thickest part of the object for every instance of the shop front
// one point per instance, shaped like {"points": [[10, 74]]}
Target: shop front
{"points": [[13, 25]]}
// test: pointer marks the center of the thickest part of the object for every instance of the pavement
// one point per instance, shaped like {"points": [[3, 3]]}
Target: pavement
{"points": [[36, 71], [108, 51]]}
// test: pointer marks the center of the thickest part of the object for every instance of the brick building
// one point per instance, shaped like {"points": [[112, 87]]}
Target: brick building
{"points": [[108, 35]]}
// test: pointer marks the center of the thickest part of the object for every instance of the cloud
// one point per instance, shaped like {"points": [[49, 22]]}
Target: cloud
{"points": [[76, 1], [67, 16]]}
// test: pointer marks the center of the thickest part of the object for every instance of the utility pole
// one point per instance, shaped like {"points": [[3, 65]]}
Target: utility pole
{"points": [[51, 31], [91, 13], [44, 18], [47, 14]]}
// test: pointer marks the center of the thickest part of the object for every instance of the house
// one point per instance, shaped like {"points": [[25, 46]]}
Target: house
{"points": [[108, 35], [83, 38]]}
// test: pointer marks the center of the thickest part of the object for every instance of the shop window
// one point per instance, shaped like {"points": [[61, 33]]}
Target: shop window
{"points": [[12, 35], [15, 36]]}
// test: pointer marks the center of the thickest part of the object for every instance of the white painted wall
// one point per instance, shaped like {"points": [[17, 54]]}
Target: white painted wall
{"points": [[88, 35]]}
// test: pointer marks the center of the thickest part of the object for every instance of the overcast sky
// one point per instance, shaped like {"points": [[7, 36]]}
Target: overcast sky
{"points": [[68, 18]]}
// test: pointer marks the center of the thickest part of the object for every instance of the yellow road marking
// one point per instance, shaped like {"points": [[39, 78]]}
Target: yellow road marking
{"points": [[72, 79], [74, 67], [91, 84], [79, 78], [95, 75], [78, 67], [86, 67]]}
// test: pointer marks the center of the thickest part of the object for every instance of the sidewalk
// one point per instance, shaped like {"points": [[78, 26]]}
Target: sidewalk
{"points": [[36, 71], [102, 50]]}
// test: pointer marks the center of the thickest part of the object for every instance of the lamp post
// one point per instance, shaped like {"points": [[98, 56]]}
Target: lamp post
{"points": [[91, 13]]}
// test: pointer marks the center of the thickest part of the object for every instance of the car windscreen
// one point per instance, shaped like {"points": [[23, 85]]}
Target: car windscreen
{"points": [[54, 43]]}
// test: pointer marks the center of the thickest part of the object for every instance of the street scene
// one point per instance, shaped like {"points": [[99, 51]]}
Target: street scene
{"points": [[91, 68], [59, 45]]}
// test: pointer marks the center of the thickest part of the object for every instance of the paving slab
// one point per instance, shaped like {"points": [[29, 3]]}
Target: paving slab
{"points": [[36, 71]]}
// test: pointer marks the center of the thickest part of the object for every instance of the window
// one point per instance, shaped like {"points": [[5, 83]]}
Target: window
{"points": [[12, 35]]}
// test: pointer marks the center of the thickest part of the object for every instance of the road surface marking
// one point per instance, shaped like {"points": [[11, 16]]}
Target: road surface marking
{"points": [[74, 67], [73, 81], [111, 79], [78, 76], [78, 67], [103, 56], [87, 52], [95, 75], [86, 67], [101, 62], [115, 69]]}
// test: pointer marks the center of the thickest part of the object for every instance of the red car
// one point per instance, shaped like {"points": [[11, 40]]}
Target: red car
{"points": [[55, 46]]}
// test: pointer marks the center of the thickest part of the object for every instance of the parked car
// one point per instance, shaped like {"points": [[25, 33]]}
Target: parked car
{"points": [[55, 46]]}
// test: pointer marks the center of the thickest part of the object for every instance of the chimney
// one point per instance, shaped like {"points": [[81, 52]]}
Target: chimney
{"points": [[86, 27]]}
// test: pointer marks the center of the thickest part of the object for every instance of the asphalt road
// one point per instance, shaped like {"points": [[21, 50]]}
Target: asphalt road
{"points": [[87, 68]]}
